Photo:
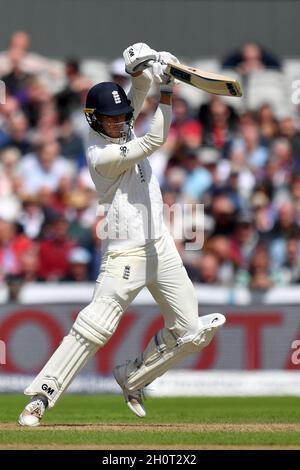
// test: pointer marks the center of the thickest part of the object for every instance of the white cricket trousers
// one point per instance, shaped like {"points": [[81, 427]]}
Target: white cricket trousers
{"points": [[157, 266]]}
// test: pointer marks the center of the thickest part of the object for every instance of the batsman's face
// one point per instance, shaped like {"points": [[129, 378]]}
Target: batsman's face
{"points": [[113, 125]]}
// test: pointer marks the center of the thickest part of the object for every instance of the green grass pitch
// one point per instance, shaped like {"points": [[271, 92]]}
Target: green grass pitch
{"points": [[104, 421]]}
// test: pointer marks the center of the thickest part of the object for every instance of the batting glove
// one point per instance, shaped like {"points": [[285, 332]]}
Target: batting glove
{"points": [[166, 57], [159, 67], [137, 56]]}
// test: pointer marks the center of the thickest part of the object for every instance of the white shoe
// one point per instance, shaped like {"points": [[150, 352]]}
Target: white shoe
{"points": [[33, 412], [134, 399]]}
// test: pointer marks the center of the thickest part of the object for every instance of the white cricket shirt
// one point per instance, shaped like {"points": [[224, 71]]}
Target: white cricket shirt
{"points": [[128, 190]]}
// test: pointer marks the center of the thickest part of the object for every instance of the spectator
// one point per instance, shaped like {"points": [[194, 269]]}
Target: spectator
{"points": [[223, 213], [10, 107], [15, 81], [30, 265], [290, 270], [211, 162], [209, 269], [16, 134], [249, 144], [71, 144], [267, 122], [31, 62], [43, 169], [288, 130], [264, 214], [184, 131], [198, 178], [78, 207], [32, 217], [70, 98], [239, 187], [174, 180], [55, 247], [251, 58], [285, 227], [9, 180], [79, 259], [222, 247], [281, 164], [245, 241], [47, 126], [12, 246], [37, 95], [219, 123], [286, 224], [261, 275], [295, 194]]}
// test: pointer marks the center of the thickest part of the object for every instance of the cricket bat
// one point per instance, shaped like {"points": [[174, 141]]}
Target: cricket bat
{"points": [[207, 81]]}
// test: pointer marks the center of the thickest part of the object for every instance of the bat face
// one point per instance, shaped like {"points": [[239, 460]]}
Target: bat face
{"points": [[210, 82]]}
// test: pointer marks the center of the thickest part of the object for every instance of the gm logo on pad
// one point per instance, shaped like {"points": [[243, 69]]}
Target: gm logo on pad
{"points": [[47, 389]]}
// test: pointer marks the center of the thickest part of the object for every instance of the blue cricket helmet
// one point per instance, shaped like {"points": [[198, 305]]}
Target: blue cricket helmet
{"points": [[108, 99]]}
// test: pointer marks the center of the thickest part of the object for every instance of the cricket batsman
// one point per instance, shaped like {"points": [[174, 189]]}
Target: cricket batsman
{"points": [[138, 251]]}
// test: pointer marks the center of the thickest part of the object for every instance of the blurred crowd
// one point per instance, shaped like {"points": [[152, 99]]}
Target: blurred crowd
{"points": [[243, 165]]}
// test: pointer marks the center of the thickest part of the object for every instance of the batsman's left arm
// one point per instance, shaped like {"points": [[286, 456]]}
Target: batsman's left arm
{"points": [[140, 85]]}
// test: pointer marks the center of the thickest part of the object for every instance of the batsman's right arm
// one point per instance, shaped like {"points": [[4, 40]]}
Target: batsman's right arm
{"points": [[112, 160]]}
